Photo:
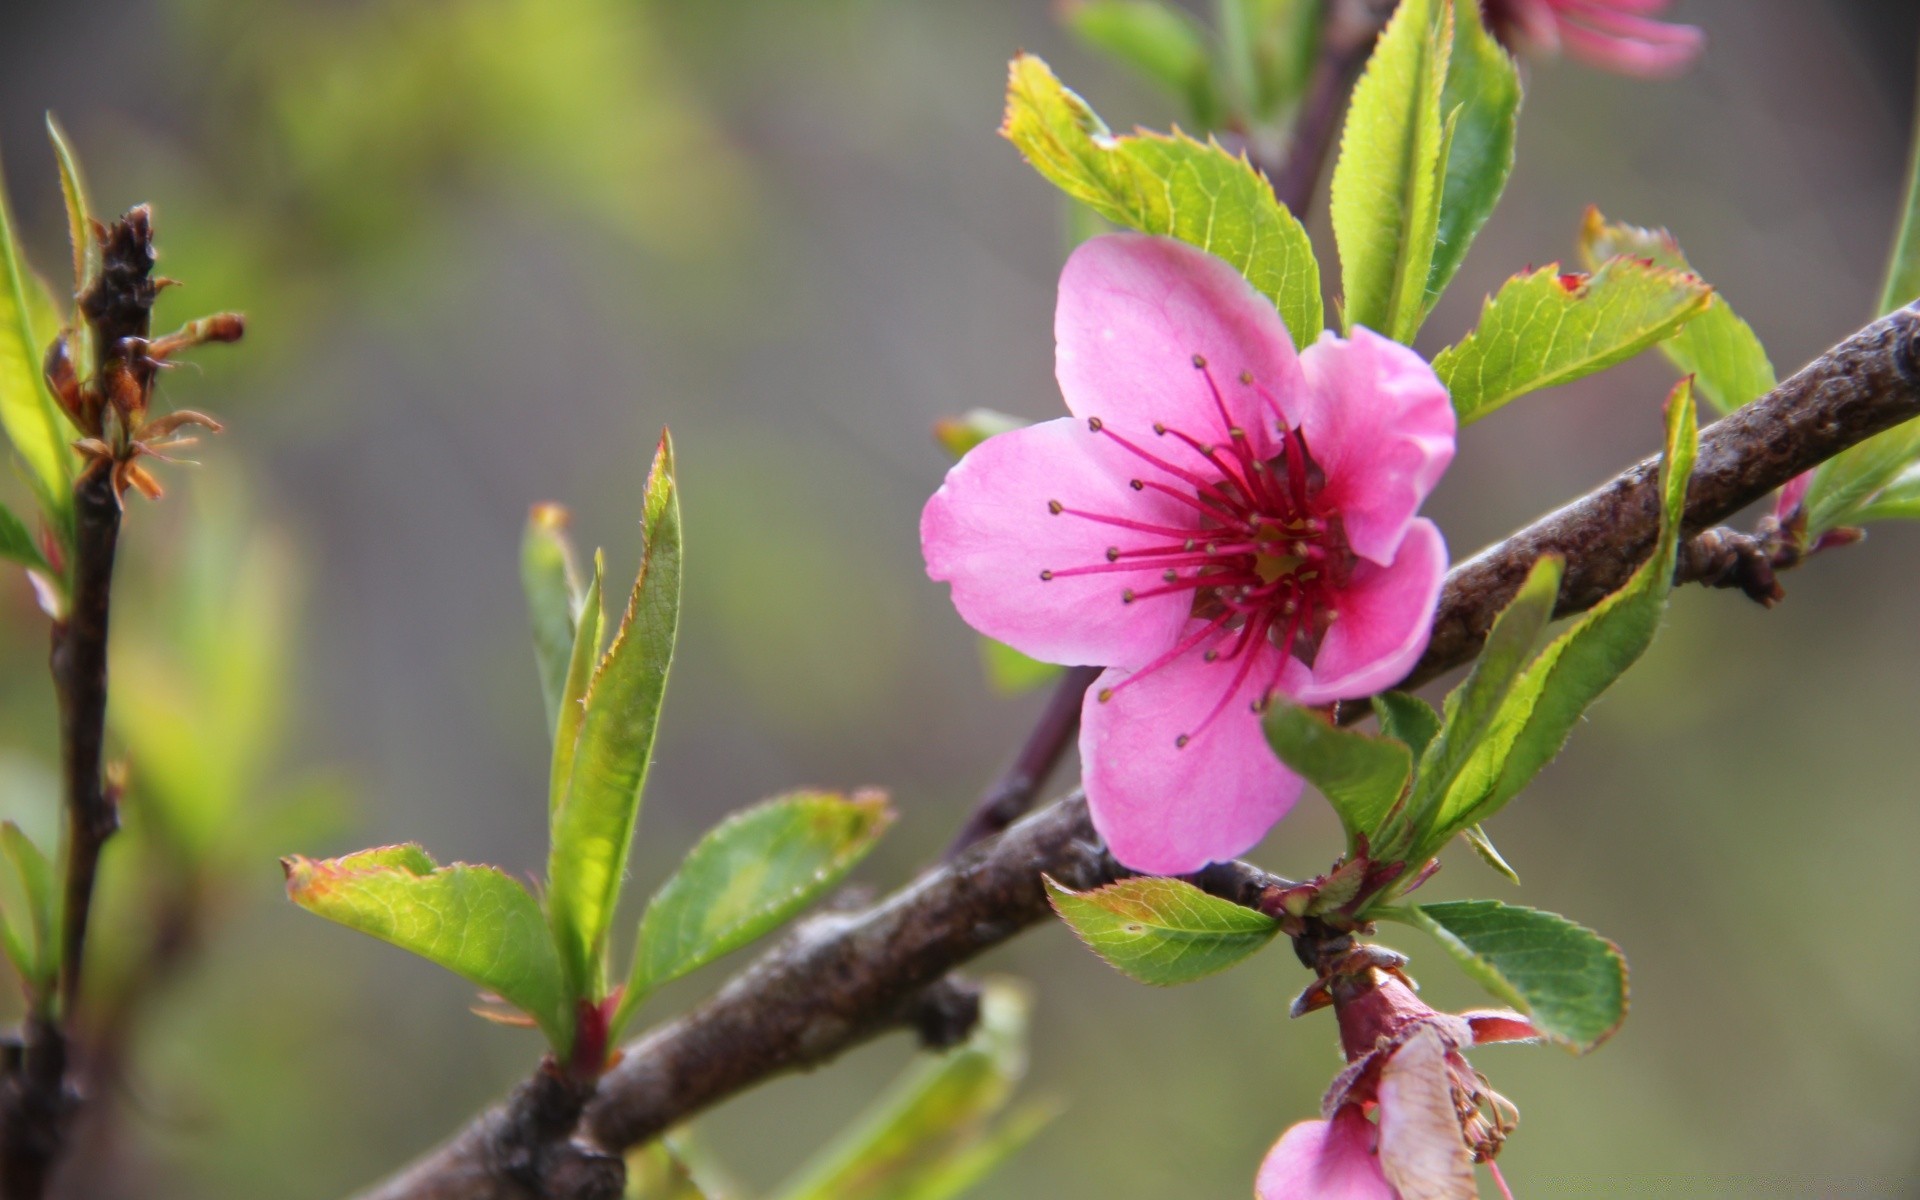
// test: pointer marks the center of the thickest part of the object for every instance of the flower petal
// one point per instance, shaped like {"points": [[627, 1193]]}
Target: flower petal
{"points": [[1499, 1025], [990, 531], [1386, 617], [1324, 1160], [1134, 311], [1168, 809], [1379, 424], [1422, 1151]]}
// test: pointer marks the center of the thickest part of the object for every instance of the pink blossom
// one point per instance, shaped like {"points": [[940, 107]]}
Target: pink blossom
{"points": [[1619, 35], [1220, 521], [1437, 1117]]}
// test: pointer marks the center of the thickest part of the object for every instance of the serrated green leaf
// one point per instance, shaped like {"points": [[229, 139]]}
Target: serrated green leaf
{"points": [[1903, 265], [37, 428], [476, 921], [1362, 776], [1571, 981], [749, 875], [1729, 366], [1158, 42], [552, 584], [1472, 707], [1408, 718], [588, 631], [17, 544], [1169, 185], [1012, 673], [1388, 180], [1162, 931], [1483, 89], [938, 1130], [592, 828], [1544, 704], [1544, 329], [73, 190], [1848, 485], [957, 435], [30, 924]]}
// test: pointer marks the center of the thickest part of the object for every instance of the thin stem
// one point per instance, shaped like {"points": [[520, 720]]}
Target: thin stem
{"points": [[1013, 793]]}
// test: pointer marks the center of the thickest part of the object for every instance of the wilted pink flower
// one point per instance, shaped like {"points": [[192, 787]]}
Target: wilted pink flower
{"points": [[1619, 35], [1437, 1116], [1220, 521]]}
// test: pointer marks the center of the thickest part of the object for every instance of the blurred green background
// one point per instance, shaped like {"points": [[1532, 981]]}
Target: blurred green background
{"points": [[488, 247]]}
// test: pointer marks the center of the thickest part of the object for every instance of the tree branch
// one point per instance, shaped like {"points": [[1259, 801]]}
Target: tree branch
{"points": [[841, 980], [1011, 795]]}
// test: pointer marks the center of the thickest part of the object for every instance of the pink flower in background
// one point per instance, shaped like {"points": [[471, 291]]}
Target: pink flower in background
{"points": [[1437, 1116], [1220, 521], [1619, 35]]}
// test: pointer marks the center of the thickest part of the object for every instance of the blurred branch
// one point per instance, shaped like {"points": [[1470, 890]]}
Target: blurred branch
{"points": [[842, 979], [1012, 794]]}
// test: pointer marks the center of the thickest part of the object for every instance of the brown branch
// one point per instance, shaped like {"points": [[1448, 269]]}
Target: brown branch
{"points": [[1013, 793], [843, 979]]}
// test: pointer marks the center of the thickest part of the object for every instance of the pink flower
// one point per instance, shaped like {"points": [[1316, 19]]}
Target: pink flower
{"points": [[1218, 522], [1437, 1116], [1618, 35]]}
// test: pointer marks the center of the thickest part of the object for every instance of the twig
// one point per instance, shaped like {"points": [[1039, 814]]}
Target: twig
{"points": [[841, 980], [1012, 794], [1350, 30]]}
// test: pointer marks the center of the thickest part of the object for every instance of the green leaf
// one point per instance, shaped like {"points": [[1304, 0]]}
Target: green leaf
{"points": [[73, 189], [939, 1130], [17, 544], [1471, 707], [1729, 365], [1408, 718], [592, 828], [1388, 181], [1159, 42], [748, 876], [588, 631], [1362, 776], [1903, 268], [1571, 981], [552, 583], [477, 922], [1846, 487], [1549, 698], [1544, 329], [1489, 853], [1483, 88], [1900, 501], [30, 924], [1167, 184], [1012, 673], [957, 435], [1162, 931], [37, 428]]}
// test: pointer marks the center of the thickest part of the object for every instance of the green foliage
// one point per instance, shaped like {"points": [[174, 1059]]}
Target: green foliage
{"points": [[1728, 364], [32, 420], [957, 435], [1166, 184], [592, 828], [1162, 931], [1388, 181], [29, 914], [1362, 776], [1903, 266], [589, 630], [1267, 52], [554, 595], [1539, 707], [1012, 673], [1899, 501], [1408, 718], [1571, 981], [1159, 42], [17, 544], [1544, 329], [749, 875], [942, 1127], [478, 922], [1847, 488], [73, 191], [1482, 100]]}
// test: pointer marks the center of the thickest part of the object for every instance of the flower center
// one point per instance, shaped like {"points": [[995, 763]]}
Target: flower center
{"points": [[1256, 547]]}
